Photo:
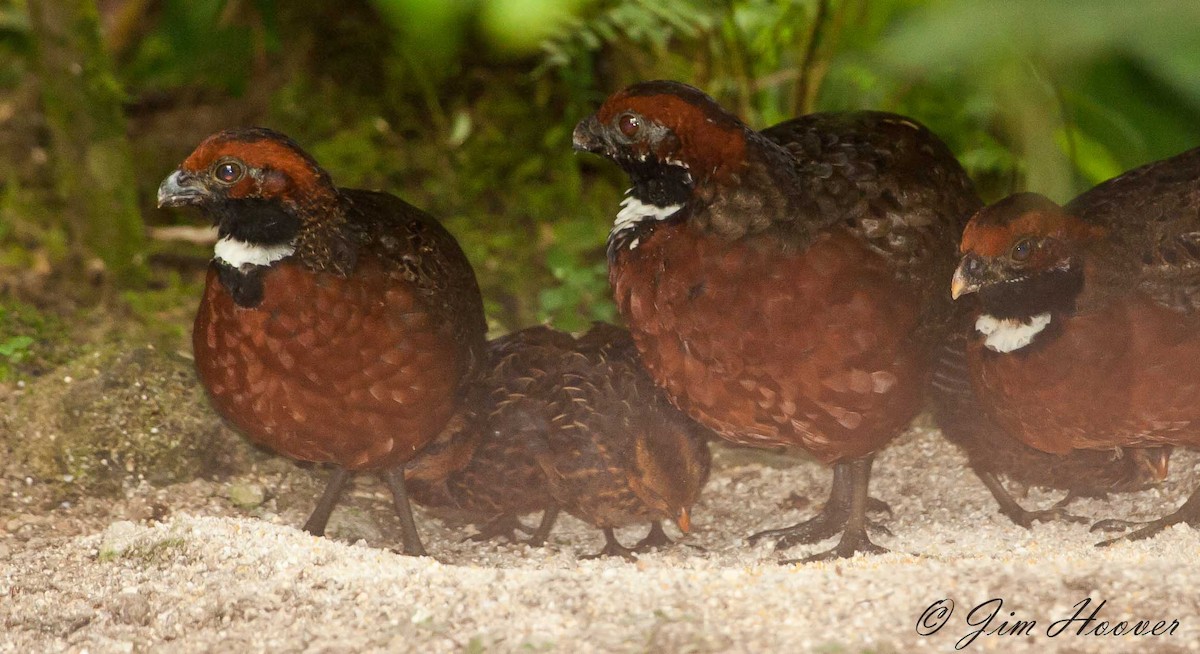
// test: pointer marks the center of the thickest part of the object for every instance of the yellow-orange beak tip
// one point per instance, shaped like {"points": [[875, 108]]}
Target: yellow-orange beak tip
{"points": [[959, 286], [684, 520], [1160, 465]]}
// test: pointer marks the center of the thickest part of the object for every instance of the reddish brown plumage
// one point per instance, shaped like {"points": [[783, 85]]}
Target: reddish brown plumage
{"points": [[288, 175], [561, 423], [1135, 354], [722, 144], [344, 370], [993, 453], [782, 285], [337, 325], [992, 233], [1114, 279], [852, 389]]}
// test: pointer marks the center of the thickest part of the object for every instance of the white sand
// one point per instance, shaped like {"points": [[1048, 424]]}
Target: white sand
{"points": [[210, 583]]}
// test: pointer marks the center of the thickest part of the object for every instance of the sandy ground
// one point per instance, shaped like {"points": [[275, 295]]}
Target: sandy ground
{"points": [[183, 569]]}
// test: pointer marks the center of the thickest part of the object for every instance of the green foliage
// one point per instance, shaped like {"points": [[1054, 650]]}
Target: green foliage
{"points": [[1081, 91], [13, 349], [204, 43], [764, 44], [360, 153], [30, 341], [753, 53], [650, 26], [165, 308], [15, 42], [517, 27], [429, 33], [13, 19], [148, 553], [638, 23], [512, 193], [582, 293], [26, 230]]}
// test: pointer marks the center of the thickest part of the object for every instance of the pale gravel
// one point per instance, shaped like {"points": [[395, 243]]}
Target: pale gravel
{"points": [[200, 583]]}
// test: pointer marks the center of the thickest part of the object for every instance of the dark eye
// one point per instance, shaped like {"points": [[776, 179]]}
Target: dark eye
{"points": [[1022, 250], [229, 172], [629, 124]]}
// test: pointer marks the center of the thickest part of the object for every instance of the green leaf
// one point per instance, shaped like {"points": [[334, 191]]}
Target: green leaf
{"points": [[15, 347]]}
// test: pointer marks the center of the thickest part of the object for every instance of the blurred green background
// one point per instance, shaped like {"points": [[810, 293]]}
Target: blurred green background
{"points": [[465, 108]]}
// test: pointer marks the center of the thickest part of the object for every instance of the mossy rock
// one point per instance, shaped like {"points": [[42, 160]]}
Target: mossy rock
{"points": [[111, 418]]}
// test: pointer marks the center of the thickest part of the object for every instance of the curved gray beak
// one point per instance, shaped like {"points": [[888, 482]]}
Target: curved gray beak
{"points": [[959, 286], [586, 137], [966, 277], [181, 189]]}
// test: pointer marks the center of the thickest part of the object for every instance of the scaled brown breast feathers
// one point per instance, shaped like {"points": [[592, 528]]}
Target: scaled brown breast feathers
{"points": [[337, 325], [782, 286]]}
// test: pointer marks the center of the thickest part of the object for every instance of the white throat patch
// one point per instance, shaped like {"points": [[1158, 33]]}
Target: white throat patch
{"points": [[1009, 334], [634, 211], [239, 253]]}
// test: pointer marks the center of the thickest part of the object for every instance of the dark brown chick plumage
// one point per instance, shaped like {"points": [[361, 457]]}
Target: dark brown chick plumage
{"points": [[1088, 334], [337, 325], [574, 425], [481, 468], [781, 285]]}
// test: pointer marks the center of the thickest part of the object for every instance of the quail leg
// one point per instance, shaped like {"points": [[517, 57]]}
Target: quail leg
{"points": [[1018, 514], [612, 547], [876, 505], [506, 525], [1071, 496], [539, 536], [1188, 513], [819, 527], [655, 539], [831, 518], [408, 526], [503, 526], [1116, 524], [316, 522], [854, 535]]}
